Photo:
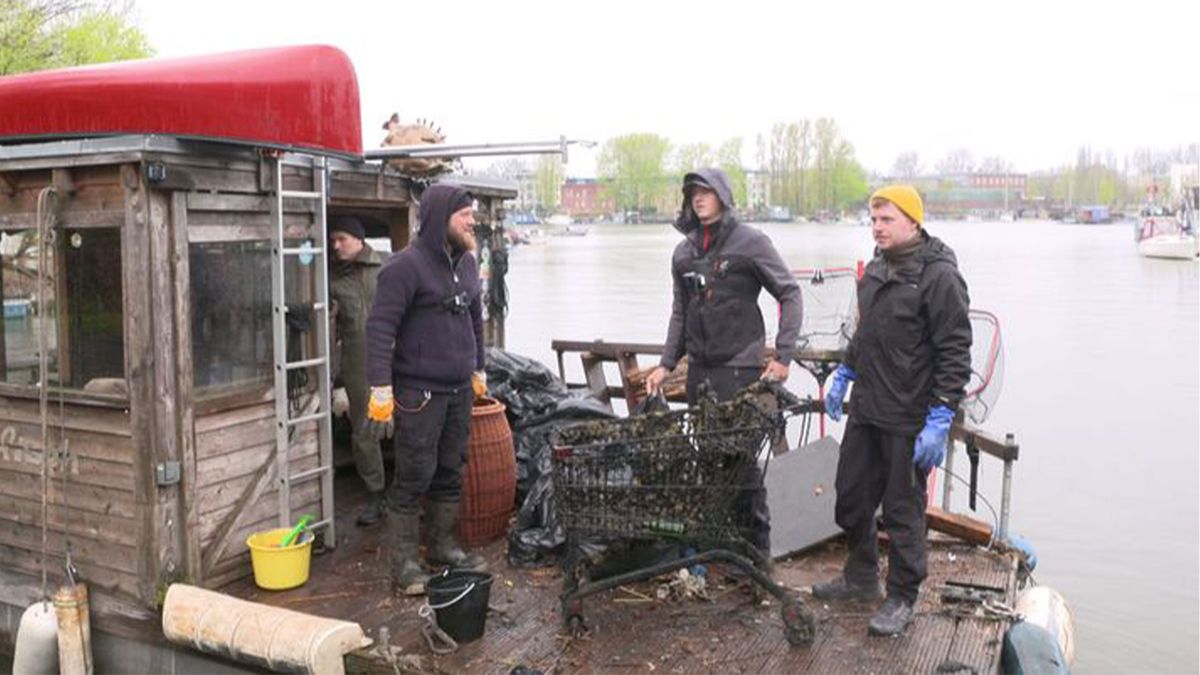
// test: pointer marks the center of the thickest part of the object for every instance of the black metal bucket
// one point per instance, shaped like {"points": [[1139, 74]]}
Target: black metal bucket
{"points": [[459, 599]]}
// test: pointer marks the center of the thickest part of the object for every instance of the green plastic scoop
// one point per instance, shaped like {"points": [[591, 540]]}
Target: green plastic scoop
{"points": [[291, 536]]}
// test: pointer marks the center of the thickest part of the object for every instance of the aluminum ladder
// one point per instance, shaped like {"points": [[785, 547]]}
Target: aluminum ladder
{"points": [[316, 256]]}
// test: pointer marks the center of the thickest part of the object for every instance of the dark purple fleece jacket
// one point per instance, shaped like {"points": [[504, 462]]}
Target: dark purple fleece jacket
{"points": [[413, 340]]}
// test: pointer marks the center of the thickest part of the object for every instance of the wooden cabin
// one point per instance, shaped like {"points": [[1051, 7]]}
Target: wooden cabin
{"points": [[173, 207]]}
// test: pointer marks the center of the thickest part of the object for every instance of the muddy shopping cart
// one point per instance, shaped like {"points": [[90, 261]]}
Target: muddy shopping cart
{"points": [[680, 476]]}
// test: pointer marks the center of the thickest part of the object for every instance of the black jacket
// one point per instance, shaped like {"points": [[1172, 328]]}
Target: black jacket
{"points": [[716, 322], [417, 336], [912, 348]]}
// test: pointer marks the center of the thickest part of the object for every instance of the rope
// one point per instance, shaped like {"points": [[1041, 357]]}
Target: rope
{"points": [[979, 494], [43, 219], [438, 640]]}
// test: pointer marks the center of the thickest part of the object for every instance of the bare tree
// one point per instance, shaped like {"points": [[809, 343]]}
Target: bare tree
{"points": [[907, 165], [957, 162]]}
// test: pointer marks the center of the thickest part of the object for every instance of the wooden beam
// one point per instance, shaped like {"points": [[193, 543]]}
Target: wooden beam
{"points": [[957, 525], [8, 186], [1006, 449]]}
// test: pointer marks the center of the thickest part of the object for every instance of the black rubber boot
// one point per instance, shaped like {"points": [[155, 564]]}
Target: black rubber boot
{"points": [[838, 589], [892, 618], [443, 548], [408, 577], [372, 512]]}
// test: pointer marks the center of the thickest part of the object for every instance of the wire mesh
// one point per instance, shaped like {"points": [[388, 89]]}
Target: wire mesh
{"points": [[674, 475]]}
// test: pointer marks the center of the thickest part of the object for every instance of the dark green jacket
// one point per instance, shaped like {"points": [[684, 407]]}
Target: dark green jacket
{"points": [[352, 287]]}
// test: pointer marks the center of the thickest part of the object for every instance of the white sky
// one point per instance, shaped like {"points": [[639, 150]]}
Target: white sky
{"points": [[1027, 80]]}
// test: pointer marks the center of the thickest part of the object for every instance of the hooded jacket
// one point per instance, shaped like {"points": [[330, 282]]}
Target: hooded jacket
{"points": [[718, 272], [418, 336], [912, 348]]}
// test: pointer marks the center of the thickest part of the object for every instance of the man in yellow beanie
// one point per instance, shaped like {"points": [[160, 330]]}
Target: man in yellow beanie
{"points": [[910, 360]]}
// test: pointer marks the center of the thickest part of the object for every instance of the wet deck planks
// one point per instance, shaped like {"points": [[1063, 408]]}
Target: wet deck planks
{"points": [[732, 632]]}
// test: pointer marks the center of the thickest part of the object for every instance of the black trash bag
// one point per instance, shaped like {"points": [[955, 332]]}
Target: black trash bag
{"points": [[525, 386], [651, 404], [538, 404]]}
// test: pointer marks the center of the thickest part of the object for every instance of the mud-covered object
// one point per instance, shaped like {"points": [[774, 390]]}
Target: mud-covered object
{"points": [[537, 403]]}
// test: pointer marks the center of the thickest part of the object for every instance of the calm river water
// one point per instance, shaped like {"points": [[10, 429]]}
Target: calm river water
{"points": [[1101, 389]]}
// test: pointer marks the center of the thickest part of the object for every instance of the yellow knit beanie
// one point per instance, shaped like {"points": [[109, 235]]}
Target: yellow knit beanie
{"points": [[905, 198]]}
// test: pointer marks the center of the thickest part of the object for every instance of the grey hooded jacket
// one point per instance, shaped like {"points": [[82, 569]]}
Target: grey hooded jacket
{"points": [[718, 272]]}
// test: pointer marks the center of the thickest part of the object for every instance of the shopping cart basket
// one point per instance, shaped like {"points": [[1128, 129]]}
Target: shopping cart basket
{"points": [[678, 475]]}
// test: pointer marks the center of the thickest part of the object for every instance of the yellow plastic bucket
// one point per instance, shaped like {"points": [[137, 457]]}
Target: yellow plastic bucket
{"points": [[275, 568]]}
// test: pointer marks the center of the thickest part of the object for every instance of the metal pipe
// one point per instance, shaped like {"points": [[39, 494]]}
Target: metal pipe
{"points": [[441, 150], [1006, 494], [946, 488]]}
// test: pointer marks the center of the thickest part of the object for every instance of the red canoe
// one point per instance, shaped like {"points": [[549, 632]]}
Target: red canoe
{"points": [[293, 97]]}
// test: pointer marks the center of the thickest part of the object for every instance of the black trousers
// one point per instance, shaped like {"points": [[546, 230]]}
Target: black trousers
{"points": [[877, 466], [724, 382], [431, 446]]}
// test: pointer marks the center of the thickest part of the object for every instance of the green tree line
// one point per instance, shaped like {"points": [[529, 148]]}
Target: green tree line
{"points": [[41, 34], [812, 169]]}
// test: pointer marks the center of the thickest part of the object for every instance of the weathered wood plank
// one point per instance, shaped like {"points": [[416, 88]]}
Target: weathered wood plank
{"points": [[84, 550], [77, 160], [185, 410], [16, 437], [958, 525], [237, 552], [139, 370], [82, 471], [231, 465], [168, 536], [266, 510], [263, 476], [212, 444], [248, 204], [212, 226], [80, 523], [89, 420], [86, 498], [216, 422], [17, 560]]}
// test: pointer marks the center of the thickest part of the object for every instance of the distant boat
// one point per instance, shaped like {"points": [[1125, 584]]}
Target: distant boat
{"points": [[559, 219], [570, 231], [1161, 234]]}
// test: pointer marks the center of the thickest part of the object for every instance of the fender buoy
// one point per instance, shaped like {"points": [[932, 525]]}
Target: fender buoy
{"points": [[1044, 640], [37, 641]]}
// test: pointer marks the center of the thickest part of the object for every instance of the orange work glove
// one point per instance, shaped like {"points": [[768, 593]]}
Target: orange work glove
{"points": [[381, 407], [479, 384]]}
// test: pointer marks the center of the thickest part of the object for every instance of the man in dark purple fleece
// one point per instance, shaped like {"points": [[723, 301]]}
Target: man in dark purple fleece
{"points": [[424, 342]]}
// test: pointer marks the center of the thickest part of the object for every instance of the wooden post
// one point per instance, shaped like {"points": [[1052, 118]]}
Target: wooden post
{"points": [[185, 411]]}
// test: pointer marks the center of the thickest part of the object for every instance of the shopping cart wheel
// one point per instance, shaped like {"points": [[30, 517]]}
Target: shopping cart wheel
{"points": [[572, 612], [799, 625]]}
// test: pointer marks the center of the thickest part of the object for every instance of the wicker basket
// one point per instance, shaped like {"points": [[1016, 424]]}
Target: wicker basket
{"points": [[490, 481]]}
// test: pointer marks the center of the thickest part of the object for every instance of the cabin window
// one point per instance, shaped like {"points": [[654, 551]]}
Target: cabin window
{"points": [[82, 302], [231, 312]]}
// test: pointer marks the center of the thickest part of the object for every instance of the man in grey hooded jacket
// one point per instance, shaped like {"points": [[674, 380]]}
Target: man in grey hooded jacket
{"points": [[719, 271]]}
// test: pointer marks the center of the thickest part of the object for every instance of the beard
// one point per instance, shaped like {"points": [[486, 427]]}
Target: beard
{"points": [[462, 240]]}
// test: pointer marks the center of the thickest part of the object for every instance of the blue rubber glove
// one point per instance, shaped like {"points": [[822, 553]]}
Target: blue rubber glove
{"points": [[842, 377], [930, 449], [1024, 548]]}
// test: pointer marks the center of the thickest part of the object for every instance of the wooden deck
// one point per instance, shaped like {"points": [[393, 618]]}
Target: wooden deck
{"points": [[731, 631]]}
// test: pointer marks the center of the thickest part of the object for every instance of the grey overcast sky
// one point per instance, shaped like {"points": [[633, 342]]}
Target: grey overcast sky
{"points": [[1028, 80]]}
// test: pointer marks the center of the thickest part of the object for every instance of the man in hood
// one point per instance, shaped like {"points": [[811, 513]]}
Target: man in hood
{"points": [[352, 289], [719, 270], [910, 360], [424, 343]]}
